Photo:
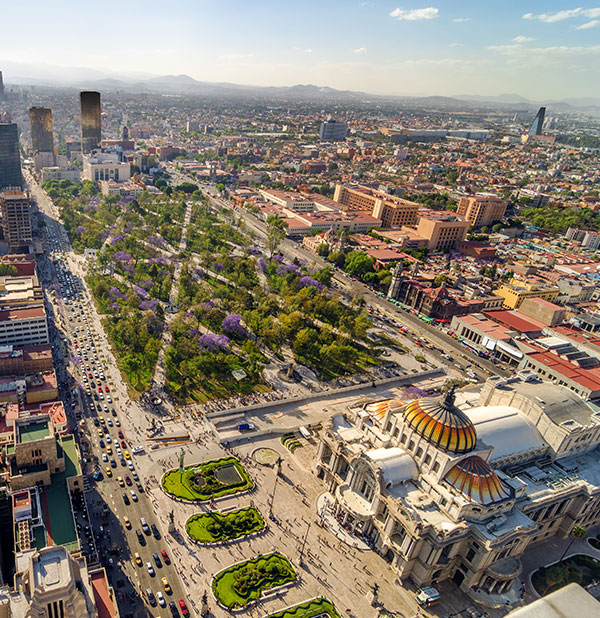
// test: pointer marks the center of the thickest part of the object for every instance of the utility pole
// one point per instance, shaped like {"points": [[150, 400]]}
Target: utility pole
{"points": [[277, 470]]}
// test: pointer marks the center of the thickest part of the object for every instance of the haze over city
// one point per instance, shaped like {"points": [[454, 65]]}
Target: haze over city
{"points": [[537, 50], [299, 310]]}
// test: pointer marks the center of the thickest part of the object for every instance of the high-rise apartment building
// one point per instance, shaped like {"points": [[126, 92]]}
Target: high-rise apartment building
{"points": [[10, 160], [16, 222], [332, 131], [482, 209], [91, 132], [42, 138]]}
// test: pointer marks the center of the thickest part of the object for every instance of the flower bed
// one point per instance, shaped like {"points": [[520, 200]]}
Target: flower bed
{"points": [[246, 581], [207, 480], [205, 528], [309, 609]]}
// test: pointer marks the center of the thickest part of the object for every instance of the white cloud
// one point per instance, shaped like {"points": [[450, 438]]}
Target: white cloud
{"points": [[308, 51], [360, 50], [523, 39], [551, 18], [589, 24], [456, 45], [461, 20], [234, 56], [415, 14], [557, 51]]}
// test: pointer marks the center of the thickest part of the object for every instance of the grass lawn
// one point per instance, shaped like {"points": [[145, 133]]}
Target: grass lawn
{"points": [[208, 480], [245, 582], [221, 527], [310, 609], [580, 569]]}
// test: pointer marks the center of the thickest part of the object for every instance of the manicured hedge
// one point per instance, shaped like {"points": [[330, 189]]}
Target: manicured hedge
{"points": [[309, 609], [182, 485], [244, 582], [222, 527]]}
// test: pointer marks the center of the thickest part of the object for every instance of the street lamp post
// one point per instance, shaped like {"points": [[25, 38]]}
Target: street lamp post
{"points": [[304, 543]]}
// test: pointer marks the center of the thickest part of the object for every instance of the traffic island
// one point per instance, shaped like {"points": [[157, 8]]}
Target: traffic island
{"points": [[245, 582], [219, 528], [207, 481]]}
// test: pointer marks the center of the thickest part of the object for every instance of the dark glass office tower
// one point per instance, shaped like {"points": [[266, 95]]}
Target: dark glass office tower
{"points": [[42, 138], [90, 121], [10, 160], [538, 122]]}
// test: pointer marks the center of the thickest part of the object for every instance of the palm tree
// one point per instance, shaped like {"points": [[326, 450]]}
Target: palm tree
{"points": [[577, 532]]}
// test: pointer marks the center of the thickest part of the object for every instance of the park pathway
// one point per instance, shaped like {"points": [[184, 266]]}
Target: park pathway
{"points": [[159, 379]]}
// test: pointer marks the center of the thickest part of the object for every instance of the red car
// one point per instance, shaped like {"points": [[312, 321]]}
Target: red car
{"points": [[99, 389], [90, 375], [165, 556], [106, 389], [183, 607], [123, 444], [120, 434], [127, 479]]}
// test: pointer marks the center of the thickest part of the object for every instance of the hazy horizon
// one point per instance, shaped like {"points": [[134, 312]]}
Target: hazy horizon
{"points": [[547, 51]]}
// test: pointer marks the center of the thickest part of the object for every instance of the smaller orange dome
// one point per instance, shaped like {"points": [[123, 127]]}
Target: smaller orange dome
{"points": [[476, 481]]}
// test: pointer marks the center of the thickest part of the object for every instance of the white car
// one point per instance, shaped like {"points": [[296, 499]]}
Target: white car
{"points": [[161, 599], [150, 569]]}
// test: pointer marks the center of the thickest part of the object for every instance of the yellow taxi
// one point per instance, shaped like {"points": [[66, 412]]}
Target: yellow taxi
{"points": [[126, 454], [109, 450], [127, 522], [121, 481], [165, 582], [108, 471], [137, 558]]}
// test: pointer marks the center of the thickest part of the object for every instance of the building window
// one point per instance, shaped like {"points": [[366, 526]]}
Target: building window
{"points": [[436, 466], [470, 554]]}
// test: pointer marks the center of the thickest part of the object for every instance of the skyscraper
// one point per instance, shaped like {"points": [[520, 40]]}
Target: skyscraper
{"points": [[10, 161], [1, 87], [42, 138], [538, 122], [91, 133]]}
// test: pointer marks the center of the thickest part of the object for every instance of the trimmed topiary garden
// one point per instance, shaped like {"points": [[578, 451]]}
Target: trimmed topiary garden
{"points": [[223, 527], [316, 608], [579, 569], [290, 442], [247, 581], [207, 480]]}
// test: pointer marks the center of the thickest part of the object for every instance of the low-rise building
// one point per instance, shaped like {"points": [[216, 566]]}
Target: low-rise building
{"points": [[70, 173], [99, 166], [515, 292]]}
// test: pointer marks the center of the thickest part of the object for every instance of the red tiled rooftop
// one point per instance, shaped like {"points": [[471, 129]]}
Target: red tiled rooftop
{"points": [[588, 378], [515, 320]]}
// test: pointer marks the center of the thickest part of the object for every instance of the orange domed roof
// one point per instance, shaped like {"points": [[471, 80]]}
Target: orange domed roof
{"points": [[441, 423], [476, 480]]}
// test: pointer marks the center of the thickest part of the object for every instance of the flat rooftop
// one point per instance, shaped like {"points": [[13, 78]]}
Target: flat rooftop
{"points": [[58, 515], [30, 432], [104, 602]]}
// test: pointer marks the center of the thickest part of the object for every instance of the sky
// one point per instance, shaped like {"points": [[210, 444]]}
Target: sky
{"points": [[540, 50]]}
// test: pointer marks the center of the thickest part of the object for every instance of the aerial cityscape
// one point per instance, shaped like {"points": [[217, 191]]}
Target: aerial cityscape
{"points": [[286, 333]]}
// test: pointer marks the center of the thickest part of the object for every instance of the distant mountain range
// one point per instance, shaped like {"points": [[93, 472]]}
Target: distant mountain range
{"points": [[80, 77]]}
